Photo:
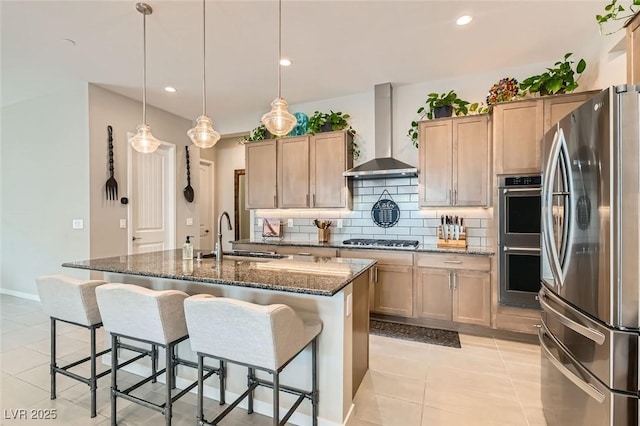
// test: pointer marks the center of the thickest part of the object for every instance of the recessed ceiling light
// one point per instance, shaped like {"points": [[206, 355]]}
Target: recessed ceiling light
{"points": [[285, 62], [170, 89], [464, 20]]}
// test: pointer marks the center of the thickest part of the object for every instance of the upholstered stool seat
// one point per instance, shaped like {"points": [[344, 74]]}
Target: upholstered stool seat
{"points": [[259, 337], [152, 317], [72, 301]]}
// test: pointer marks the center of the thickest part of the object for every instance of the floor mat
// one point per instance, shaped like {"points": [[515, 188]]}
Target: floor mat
{"points": [[415, 333]]}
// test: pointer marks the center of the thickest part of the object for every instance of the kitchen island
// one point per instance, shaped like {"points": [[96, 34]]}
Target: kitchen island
{"points": [[332, 290]]}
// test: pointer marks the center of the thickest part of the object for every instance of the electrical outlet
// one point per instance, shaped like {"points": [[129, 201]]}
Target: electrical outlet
{"points": [[123, 223], [77, 224], [339, 224], [289, 223], [189, 221]]}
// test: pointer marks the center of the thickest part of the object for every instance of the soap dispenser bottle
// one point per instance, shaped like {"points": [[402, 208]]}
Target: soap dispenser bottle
{"points": [[187, 249]]}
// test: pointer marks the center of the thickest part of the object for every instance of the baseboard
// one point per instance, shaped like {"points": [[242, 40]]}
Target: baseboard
{"points": [[20, 294]]}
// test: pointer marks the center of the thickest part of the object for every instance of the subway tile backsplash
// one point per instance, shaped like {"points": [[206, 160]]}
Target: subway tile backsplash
{"points": [[415, 223]]}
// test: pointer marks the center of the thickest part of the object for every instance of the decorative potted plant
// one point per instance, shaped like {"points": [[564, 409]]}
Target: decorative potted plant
{"points": [[559, 79], [503, 91], [615, 12], [257, 134], [443, 105], [333, 121]]}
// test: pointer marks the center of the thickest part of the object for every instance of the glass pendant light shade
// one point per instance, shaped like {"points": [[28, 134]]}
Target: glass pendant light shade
{"points": [[143, 141], [203, 135], [279, 121]]}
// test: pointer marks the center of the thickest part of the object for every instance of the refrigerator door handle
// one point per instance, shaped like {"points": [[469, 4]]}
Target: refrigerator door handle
{"points": [[586, 387], [547, 198], [587, 332]]}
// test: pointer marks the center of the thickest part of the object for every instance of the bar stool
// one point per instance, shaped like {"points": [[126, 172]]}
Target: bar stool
{"points": [[72, 301], [151, 317], [258, 337]]}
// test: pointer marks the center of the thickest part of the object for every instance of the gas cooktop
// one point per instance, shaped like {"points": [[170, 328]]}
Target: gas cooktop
{"points": [[381, 243]]}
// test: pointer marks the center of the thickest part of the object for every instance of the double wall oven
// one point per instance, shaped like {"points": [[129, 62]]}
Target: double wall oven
{"points": [[519, 239]]}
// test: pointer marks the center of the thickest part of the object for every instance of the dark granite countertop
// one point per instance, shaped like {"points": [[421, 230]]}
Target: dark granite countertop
{"points": [[422, 248], [322, 276]]}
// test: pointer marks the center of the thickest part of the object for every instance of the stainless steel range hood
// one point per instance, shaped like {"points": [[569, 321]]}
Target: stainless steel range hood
{"points": [[383, 165]]}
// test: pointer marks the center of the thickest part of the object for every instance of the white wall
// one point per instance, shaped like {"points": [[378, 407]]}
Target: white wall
{"points": [[45, 184], [124, 115]]}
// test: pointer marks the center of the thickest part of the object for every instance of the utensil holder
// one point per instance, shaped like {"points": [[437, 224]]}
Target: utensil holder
{"points": [[323, 235]]}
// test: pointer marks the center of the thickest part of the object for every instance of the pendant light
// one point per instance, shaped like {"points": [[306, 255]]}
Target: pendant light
{"points": [[279, 121], [143, 141], [203, 135]]}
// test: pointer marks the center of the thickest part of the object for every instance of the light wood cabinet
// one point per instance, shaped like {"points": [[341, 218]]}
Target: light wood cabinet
{"points": [[299, 172], [261, 175], [391, 289], [517, 131], [293, 172], [446, 291], [328, 159], [518, 128], [633, 50], [454, 161]]}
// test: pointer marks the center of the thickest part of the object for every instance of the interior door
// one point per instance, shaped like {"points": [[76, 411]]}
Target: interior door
{"points": [[205, 204], [151, 184]]}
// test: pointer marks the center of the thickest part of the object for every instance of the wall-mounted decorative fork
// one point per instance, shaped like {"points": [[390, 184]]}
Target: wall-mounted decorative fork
{"points": [[111, 186]]}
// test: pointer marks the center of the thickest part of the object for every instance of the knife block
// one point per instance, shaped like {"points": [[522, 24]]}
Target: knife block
{"points": [[452, 244]]}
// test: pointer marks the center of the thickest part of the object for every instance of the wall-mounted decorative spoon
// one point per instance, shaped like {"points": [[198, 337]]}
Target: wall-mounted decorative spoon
{"points": [[188, 190]]}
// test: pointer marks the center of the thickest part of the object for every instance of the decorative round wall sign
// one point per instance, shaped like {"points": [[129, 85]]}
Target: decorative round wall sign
{"points": [[385, 212]]}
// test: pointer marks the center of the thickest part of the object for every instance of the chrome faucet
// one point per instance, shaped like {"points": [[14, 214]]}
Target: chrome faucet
{"points": [[219, 240]]}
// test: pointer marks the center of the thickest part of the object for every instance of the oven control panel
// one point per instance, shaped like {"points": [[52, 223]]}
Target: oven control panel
{"points": [[509, 181]]}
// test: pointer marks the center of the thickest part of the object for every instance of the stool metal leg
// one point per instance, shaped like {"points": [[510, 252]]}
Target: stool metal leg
{"points": [[314, 381], [174, 361], [250, 377], [222, 373], [276, 399], [115, 343], [92, 381], [170, 380], [53, 364], [200, 398], [154, 362]]}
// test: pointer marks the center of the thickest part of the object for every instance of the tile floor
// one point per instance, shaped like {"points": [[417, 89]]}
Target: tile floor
{"points": [[487, 382]]}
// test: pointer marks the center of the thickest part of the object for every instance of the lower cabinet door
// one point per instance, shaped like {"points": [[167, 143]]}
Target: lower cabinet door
{"points": [[393, 290], [472, 297], [434, 293]]}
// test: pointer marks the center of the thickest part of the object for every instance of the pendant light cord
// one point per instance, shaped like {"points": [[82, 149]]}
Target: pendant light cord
{"points": [[279, 47], [144, 68], [204, 61]]}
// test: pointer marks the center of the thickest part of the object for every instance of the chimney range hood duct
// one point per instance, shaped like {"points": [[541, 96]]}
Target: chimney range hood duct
{"points": [[383, 165]]}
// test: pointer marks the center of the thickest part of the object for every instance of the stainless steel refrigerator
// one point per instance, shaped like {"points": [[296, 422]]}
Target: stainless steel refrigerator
{"points": [[590, 263]]}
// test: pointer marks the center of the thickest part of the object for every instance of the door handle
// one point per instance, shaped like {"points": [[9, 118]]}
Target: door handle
{"points": [[455, 262], [450, 197], [314, 200], [135, 238], [455, 279], [275, 201], [307, 202], [449, 280], [375, 274], [455, 197], [508, 249]]}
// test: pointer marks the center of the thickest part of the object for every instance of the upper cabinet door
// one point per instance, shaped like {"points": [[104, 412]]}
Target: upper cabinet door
{"points": [[557, 107], [471, 161], [260, 176], [293, 172], [435, 163], [328, 160], [517, 131]]}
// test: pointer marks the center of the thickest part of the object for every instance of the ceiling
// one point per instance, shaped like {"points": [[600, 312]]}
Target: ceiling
{"points": [[338, 47]]}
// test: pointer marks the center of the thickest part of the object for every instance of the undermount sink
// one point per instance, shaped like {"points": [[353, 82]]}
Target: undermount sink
{"points": [[244, 254]]}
